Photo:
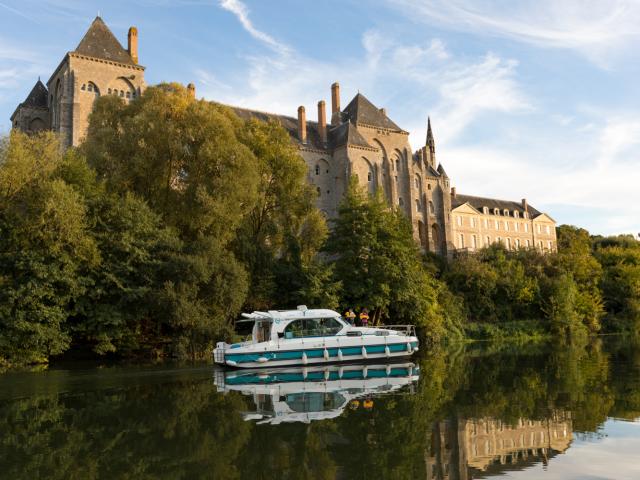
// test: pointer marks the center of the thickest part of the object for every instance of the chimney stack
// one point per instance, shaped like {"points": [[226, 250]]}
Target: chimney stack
{"points": [[453, 192], [383, 111], [525, 205], [133, 44], [335, 104], [191, 88], [302, 124], [322, 121]]}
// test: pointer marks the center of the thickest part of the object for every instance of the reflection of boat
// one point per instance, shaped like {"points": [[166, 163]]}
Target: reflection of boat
{"points": [[311, 337], [314, 393]]}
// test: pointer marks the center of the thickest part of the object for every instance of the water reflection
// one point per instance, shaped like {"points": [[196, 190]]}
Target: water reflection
{"points": [[551, 412], [314, 393]]}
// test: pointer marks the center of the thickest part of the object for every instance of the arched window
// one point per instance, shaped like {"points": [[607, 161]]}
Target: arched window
{"points": [[516, 214], [369, 176], [474, 242], [84, 87], [318, 190], [508, 244], [397, 164], [417, 205], [517, 243], [496, 211], [400, 201], [485, 210], [317, 169], [528, 243], [488, 240], [506, 212]]}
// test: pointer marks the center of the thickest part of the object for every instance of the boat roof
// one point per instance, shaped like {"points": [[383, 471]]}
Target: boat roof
{"points": [[300, 312]]}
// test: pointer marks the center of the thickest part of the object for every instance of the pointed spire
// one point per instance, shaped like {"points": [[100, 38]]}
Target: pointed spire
{"points": [[430, 141]]}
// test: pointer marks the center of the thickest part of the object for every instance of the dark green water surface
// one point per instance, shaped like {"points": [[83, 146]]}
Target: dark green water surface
{"points": [[568, 412]]}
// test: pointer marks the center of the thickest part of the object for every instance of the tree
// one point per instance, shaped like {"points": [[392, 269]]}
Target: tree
{"points": [[379, 265]]}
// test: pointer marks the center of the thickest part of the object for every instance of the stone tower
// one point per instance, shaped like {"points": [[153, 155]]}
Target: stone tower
{"points": [[99, 65]]}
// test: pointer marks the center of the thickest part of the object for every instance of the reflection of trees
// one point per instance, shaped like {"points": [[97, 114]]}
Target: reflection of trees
{"points": [[178, 430]]}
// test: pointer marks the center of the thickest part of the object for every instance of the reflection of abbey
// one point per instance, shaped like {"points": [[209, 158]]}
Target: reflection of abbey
{"points": [[462, 449], [359, 139]]}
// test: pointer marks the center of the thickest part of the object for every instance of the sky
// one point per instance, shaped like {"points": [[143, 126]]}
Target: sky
{"points": [[535, 99]]}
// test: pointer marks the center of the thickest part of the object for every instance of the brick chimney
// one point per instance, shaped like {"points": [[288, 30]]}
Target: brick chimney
{"points": [[453, 192], [335, 104], [322, 121], [191, 88], [133, 44], [302, 124], [525, 205], [383, 111]]}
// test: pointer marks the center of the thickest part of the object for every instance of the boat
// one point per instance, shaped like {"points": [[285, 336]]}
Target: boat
{"points": [[313, 337], [304, 394]]}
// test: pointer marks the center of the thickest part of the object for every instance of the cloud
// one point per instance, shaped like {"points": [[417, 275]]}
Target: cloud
{"points": [[241, 12], [598, 30]]}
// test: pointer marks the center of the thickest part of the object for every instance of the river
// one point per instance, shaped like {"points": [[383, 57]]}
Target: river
{"points": [[472, 411]]}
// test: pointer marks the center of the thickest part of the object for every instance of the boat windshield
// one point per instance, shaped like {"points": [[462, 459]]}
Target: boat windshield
{"points": [[312, 327]]}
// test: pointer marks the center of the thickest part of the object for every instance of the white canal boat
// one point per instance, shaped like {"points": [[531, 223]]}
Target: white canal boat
{"points": [[313, 337]]}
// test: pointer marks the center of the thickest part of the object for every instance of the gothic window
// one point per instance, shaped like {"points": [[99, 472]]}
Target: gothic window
{"points": [[319, 191], [89, 88], [397, 165], [428, 186], [128, 94], [317, 169], [400, 202]]}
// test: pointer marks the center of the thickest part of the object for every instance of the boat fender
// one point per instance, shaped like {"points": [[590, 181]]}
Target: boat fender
{"points": [[325, 354], [364, 352], [263, 360], [304, 358], [232, 363], [388, 370], [387, 352], [365, 372], [326, 374], [340, 372], [415, 349], [409, 347], [305, 372], [340, 357]]}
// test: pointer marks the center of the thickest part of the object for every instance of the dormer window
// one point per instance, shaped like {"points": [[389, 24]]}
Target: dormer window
{"points": [[516, 214], [485, 210], [506, 212], [496, 211]]}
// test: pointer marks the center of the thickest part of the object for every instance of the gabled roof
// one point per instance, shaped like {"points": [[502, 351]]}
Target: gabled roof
{"points": [[37, 97], [361, 110], [99, 42], [347, 134], [479, 202]]}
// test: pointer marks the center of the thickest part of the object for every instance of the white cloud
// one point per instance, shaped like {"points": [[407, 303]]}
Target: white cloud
{"points": [[598, 30], [241, 12]]}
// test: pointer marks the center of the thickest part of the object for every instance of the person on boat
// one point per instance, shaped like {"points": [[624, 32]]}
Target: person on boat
{"points": [[350, 316], [368, 404], [364, 317], [354, 404]]}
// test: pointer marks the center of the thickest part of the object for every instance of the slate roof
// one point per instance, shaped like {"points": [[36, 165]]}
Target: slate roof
{"points": [[99, 42], [361, 110], [37, 97], [337, 136], [479, 202]]}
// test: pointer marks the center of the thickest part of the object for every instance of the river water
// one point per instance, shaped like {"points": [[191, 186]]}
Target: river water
{"points": [[480, 411]]}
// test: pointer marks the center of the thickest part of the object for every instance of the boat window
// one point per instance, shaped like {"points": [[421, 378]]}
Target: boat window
{"points": [[263, 331], [312, 327], [314, 401]]}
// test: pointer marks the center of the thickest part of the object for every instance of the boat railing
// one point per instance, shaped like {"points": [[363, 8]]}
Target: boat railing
{"points": [[409, 330]]}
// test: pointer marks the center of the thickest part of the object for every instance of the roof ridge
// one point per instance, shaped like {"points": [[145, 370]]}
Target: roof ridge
{"points": [[100, 42]]}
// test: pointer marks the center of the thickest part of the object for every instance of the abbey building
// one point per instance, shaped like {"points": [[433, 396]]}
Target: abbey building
{"points": [[356, 140]]}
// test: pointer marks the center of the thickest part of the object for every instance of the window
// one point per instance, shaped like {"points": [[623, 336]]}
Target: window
{"points": [[516, 214], [312, 327], [472, 221], [485, 210], [496, 211], [508, 244], [368, 176], [417, 184], [398, 165], [90, 88], [540, 244], [548, 230], [486, 223], [459, 221], [400, 201], [396, 179], [318, 190], [539, 228], [506, 226], [317, 169], [431, 207], [528, 243], [474, 242], [525, 214], [84, 87], [417, 205], [461, 241], [549, 244], [428, 186], [516, 226], [128, 94], [109, 91], [497, 225], [526, 228], [488, 240], [506, 212], [517, 243]]}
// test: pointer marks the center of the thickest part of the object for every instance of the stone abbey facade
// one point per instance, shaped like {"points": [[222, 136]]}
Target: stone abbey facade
{"points": [[357, 140]]}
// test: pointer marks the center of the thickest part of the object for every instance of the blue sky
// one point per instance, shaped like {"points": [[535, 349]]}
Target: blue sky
{"points": [[536, 99]]}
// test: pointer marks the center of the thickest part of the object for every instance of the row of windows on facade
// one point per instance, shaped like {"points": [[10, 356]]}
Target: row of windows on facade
{"points": [[91, 87], [508, 242], [506, 212], [507, 225]]}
